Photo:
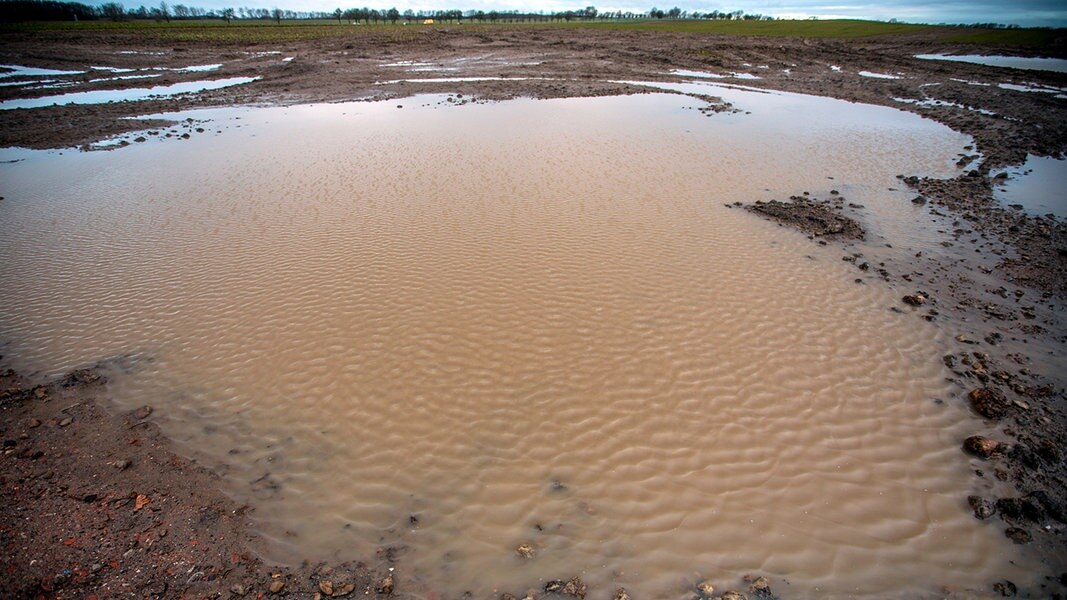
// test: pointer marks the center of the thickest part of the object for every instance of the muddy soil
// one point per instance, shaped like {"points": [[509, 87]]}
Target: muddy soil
{"points": [[95, 504]]}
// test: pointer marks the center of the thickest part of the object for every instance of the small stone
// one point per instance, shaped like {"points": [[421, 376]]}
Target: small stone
{"points": [[143, 412], [983, 509], [620, 594], [988, 402], [575, 587], [705, 588], [385, 586], [277, 586], [66, 421], [525, 550], [123, 464], [40, 392], [918, 200], [1019, 536], [761, 586], [326, 587], [141, 502], [914, 300], [982, 447], [237, 589], [35, 423], [95, 567], [554, 586], [733, 595], [1005, 588], [343, 590]]}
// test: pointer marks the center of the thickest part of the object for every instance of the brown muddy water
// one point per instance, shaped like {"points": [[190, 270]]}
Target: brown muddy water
{"points": [[456, 329]]}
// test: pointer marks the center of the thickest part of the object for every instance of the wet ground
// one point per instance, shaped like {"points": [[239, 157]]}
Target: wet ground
{"points": [[918, 262]]}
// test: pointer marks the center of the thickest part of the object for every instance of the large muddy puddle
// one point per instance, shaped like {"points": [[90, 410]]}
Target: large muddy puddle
{"points": [[452, 330]]}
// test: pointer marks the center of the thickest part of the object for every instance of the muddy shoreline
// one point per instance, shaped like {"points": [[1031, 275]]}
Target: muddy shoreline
{"points": [[996, 289]]}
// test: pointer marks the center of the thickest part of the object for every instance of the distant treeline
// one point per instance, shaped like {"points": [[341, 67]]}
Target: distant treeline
{"points": [[51, 10]]}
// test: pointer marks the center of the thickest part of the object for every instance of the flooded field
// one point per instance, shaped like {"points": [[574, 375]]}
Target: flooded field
{"points": [[451, 330]]}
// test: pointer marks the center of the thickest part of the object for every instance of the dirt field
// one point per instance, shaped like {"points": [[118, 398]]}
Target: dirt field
{"points": [[95, 505]]}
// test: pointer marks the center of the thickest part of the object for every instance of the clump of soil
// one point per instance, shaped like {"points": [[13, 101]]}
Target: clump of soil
{"points": [[819, 220]]}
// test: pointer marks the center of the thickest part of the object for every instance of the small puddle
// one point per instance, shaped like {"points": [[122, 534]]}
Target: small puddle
{"points": [[20, 71], [1031, 88], [934, 103], [706, 75], [1057, 65], [874, 75], [1039, 186], [127, 95]]}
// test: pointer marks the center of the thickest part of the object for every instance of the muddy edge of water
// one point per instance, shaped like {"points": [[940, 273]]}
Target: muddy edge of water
{"points": [[996, 288]]}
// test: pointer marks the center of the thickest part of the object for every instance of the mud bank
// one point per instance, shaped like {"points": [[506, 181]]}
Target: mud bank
{"points": [[97, 506]]}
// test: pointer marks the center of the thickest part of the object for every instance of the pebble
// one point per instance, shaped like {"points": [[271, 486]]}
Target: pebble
{"points": [[525, 550], [982, 447], [553, 586], [277, 586], [620, 594], [326, 587], [983, 509], [914, 299], [143, 412], [35, 423], [1019, 536], [705, 588], [733, 595], [761, 586], [988, 402], [385, 586], [66, 421], [575, 587]]}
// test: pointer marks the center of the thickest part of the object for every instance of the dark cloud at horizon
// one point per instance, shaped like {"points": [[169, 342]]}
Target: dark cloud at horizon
{"points": [[1027, 13]]}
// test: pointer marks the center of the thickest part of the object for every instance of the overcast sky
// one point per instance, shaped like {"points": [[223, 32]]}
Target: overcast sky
{"points": [[1021, 12]]}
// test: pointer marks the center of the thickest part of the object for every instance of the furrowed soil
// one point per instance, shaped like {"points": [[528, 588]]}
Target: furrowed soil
{"points": [[95, 504]]}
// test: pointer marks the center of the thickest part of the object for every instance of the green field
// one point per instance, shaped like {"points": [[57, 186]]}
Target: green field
{"points": [[246, 31]]}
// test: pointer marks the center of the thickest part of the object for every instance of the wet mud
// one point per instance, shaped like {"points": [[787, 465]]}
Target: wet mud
{"points": [[96, 502]]}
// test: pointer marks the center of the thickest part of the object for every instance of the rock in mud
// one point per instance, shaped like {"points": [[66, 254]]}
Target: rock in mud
{"points": [[1005, 588], [1019, 536], [760, 587], [554, 586], [733, 595], [620, 594], [143, 412], [917, 299], [575, 587], [81, 377], [983, 509], [982, 447], [706, 588], [525, 551], [326, 587], [988, 402], [276, 586], [385, 586], [816, 219]]}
